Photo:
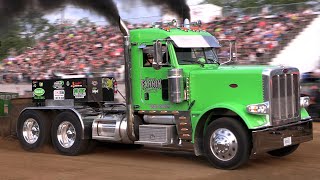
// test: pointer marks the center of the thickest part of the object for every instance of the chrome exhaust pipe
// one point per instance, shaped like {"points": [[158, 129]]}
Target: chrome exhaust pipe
{"points": [[128, 83]]}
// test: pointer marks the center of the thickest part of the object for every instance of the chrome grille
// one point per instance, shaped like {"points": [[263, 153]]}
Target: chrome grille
{"points": [[283, 96]]}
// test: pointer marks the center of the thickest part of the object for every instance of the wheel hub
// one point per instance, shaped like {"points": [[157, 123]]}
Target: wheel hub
{"points": [[31, 131], [66, 134], [223, 144]]}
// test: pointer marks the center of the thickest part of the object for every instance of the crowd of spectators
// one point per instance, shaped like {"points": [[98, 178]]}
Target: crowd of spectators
{"points": [[74, 50], [258, 36], [93, 49]]}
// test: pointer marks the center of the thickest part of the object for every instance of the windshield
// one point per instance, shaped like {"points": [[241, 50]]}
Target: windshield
{"points": [[194, 56]]}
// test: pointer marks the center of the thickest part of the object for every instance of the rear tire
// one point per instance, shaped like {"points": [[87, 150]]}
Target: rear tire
{"points": [[33, 130], [227, 143], [66, 133], [284, 151]]}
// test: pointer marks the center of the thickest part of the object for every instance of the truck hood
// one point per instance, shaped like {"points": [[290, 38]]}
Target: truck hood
{"points": [[211, 86]]}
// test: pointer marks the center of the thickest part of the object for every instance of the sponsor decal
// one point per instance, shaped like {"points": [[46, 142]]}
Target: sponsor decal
{"points": [[94, 83], [34, 83], [95, 90], [79, 93], [38, 93], [76, 84], [58, 84], [107, 83], [151, 84], [58, 94]]}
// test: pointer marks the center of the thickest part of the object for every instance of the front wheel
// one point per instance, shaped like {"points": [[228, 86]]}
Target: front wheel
{"points": [[227, 143], [66, 133], [284, 151]]}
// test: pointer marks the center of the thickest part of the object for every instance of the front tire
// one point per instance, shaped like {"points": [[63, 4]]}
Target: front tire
{"points": [[33, 130], [66, 133], [285, 151], [227, 143]]}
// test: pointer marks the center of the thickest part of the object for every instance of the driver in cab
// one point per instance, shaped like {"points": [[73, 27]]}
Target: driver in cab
{"points": [[149, 60]]}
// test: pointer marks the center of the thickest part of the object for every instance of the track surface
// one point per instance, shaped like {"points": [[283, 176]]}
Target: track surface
{"points": [[113, 162]]}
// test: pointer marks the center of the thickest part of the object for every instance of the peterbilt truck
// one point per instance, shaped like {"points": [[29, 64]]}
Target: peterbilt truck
{"points": [[184, 96]]}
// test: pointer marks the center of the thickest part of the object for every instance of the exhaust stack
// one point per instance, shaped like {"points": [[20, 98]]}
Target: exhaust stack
{"points": [[128, 84]]}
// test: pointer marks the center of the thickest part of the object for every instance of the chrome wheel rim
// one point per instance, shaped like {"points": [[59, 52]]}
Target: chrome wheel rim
{"points": [[31, 131], [223, 144], [66, 134]]}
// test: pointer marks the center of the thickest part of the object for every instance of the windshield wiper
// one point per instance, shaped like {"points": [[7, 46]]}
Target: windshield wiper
{"points": [[186, 60], [214, 61]]}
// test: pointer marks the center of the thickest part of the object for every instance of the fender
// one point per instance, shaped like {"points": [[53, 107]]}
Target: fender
{"points": [[252, 121]]}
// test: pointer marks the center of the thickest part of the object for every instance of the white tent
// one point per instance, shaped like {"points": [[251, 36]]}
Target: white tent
{"points": [[203, 12]]}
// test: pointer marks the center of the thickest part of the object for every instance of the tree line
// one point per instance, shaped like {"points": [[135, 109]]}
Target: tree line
{"points": [[23, 32]]}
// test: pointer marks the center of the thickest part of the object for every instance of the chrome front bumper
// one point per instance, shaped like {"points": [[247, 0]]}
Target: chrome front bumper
{"points": [[276, 137]]}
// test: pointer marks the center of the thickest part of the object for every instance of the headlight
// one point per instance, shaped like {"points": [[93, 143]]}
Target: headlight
{"points": [[304, 101], [262, 108]]}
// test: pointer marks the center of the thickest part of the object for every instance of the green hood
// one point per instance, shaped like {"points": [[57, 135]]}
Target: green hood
{"points": [[240, 85], [231, 87]]}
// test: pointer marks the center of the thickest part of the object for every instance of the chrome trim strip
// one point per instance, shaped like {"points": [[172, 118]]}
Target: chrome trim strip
{"points": [[293, 95], [286, 95], [279, 96]]}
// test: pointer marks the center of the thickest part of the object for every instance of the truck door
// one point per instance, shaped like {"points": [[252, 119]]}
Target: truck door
{"points": [[154, 82]]}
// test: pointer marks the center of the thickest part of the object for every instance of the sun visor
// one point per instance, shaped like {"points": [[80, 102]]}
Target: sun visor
{"points": [[195, 41]]}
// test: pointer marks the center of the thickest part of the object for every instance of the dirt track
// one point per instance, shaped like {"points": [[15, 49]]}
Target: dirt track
{"points": [[119, 163]]}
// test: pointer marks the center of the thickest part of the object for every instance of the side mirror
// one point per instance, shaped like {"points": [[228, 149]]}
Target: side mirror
{"points": [[232, 52], [157, 54]]}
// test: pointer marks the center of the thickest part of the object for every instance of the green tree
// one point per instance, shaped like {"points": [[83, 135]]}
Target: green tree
{"points": [[11, 39], [33, 25], [84, 22], [24, 31]]}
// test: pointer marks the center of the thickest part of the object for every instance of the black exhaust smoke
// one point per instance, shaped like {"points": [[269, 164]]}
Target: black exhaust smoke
{"points": [[179, 7], [107, 8], [13, 8]]}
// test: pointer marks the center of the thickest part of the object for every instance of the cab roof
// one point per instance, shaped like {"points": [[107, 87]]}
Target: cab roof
{"points": [[151, 34]]}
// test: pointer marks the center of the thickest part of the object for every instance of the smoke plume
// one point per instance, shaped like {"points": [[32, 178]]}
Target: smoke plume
{"points": [[107, 8], [179, 7], [14, 8]]}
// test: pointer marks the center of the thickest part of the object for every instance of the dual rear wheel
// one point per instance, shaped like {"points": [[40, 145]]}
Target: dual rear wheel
{"points": [[34, 130]]}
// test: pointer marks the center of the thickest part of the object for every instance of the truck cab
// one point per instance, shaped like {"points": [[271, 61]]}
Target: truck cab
{"points": [[186, 77]]}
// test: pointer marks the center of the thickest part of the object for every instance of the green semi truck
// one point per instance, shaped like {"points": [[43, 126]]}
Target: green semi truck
{"points": [[177, 94]]}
